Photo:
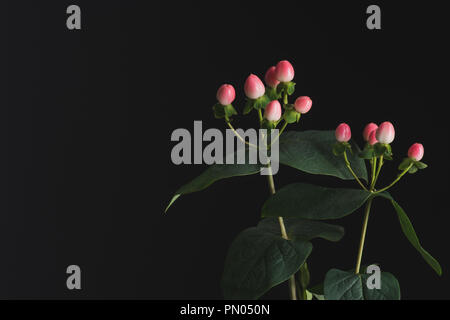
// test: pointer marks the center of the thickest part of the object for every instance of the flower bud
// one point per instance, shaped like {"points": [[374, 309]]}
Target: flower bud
{"points": [[372, 138], [368, 130], [253, 87], [303, 104], [343, 133], [416, 151], [270, 77], [385, 133], [226, 94], [284, 71], [273, 111]]}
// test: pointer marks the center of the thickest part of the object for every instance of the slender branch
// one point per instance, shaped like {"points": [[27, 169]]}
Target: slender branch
{"points": [[380, 164], [239, 136], [347, 163], [260, 117], [279, 133], [303, 273], [292, 286], [396, 180], [373, 162], [293, 292], [363, 236]]}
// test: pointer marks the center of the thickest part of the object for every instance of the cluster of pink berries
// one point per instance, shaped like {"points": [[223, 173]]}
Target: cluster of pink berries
{"points": [[373, 134], [254, 89]]}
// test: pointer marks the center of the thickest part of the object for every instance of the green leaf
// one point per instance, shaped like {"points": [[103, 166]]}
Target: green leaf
{"points": [[229, 111], [303, 229], [309, 295], [380, 149], [411, 235], [312, 152], [259, 260], [290, 116], [288, 106], [307, 201], [406, 162], [219, 111], [339, 148], [261, 102], [413, 169], [281, 87], [248, 106], [345, 285], [212, 174], [367, 153], [420, 165], [383, 149], [317, 289], [290, 88], [318, 296], [272, 93], [269, 125]]}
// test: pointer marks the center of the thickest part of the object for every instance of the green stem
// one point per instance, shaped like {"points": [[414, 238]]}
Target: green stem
{"points": [[363, 236], [374, 168], [347, 163], [260, 117], [396, 180], [239, 136], [279, 133], [271, 183], [380, 164], [304, 277]]}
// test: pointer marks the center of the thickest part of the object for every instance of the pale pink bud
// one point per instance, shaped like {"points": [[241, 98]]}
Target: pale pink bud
{"points": [[385, 133], [303, 104], [226, 94], [253, 87], [416, 151], [284, 71], [368, 130], [372, 138], [343, 133], [273, 111], [270, 77]]}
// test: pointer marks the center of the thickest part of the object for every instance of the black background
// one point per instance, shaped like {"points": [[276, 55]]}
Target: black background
{"points": [[86, 118]]}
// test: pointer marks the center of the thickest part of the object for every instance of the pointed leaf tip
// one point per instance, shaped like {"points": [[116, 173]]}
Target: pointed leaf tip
{"points": [[175, 197]]}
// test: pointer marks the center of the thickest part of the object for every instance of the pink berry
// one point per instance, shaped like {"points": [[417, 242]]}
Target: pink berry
{"points": [[368, 130], [226, 94], [284, 71], [303, 104], [385, 133], [253, 87], [343, 133], [416, 151], [273, 111], [372, 138], [270, 77]]}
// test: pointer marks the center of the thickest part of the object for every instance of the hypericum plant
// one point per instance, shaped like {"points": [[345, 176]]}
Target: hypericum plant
{"points": [[276, 250]]}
